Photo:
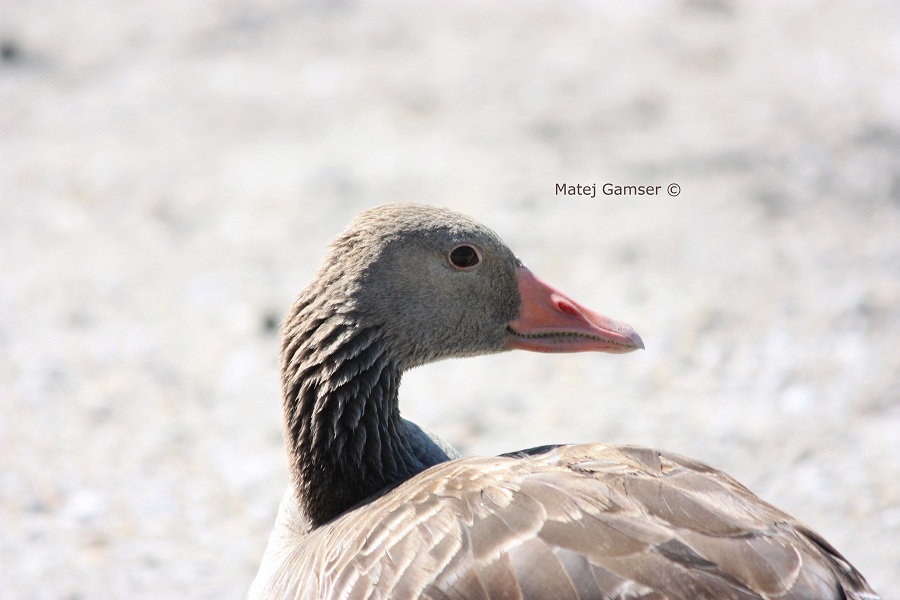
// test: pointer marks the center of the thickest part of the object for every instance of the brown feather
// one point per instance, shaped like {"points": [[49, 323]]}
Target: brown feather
{"points": [[437, 537]]}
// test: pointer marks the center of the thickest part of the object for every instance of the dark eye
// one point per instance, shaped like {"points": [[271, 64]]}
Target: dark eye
{"points": [[465, 256]]}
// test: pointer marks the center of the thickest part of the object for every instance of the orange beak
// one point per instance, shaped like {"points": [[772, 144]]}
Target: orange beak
{"points": [[550, 321]]}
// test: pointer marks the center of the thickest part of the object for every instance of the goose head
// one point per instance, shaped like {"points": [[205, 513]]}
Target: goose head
{"points": [[439, 284]]}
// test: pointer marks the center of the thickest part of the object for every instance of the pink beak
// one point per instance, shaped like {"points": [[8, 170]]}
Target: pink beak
{"points": [[550, 321]]}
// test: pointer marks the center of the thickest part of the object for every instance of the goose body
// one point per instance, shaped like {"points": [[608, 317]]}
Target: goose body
{"points": [[380, 508]]}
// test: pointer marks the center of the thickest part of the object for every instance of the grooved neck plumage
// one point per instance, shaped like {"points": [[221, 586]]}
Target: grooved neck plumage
{"points": [[346, 440]]}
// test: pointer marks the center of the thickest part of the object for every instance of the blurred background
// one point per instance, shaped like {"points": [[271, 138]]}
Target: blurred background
{"points": [[170, 174]]}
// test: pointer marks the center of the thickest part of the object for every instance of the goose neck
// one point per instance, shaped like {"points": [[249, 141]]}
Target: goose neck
{"points": [[345, 438]]}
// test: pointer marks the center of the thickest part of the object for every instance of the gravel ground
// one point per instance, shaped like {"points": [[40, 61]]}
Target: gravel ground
{"points": [[171, 173]]}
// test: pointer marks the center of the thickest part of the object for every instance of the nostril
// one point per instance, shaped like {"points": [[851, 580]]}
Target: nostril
{"points": [[563, 305]]}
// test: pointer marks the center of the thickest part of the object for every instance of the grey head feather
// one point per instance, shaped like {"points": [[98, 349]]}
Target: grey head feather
{"points": [[391, 266]]}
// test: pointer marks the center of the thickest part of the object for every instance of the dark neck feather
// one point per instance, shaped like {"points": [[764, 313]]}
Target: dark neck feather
{"points": [[344, 435]]}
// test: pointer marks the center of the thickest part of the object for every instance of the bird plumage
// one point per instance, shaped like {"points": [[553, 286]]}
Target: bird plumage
{"points": [[380, 508]]}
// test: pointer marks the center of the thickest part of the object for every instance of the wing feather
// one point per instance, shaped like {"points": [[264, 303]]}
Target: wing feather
{"points": [[580, 522]]}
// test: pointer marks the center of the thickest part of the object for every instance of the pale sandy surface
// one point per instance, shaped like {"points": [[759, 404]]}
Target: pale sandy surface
{"points": [[171, 172]]}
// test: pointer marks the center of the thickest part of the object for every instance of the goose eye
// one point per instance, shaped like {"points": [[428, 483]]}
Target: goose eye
{"points": [[465, 257]]}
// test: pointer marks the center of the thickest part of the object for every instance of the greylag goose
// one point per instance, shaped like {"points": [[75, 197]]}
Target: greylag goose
{"points": [[378, 507]]}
